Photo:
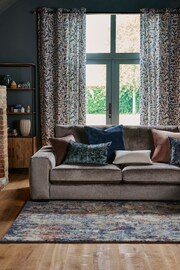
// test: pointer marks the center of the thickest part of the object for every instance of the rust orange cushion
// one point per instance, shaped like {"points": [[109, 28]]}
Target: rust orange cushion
{"points": [[162, 144]]}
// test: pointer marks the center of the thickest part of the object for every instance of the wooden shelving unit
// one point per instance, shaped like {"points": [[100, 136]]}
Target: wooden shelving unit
{"points": [[21, 148], [20, 89], [20, 113]]}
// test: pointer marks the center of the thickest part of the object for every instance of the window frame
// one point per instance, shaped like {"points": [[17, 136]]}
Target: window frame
{"points": [[113, 60]]}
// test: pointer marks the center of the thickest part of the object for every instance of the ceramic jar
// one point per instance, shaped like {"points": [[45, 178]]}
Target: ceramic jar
{"points": [[22, 109], [28, 109], [25, 127], [13, 84]]}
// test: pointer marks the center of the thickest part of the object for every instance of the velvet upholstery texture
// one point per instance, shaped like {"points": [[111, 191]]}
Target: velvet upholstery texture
{"points": [[162, 144], [158, 181], [40, 165], [174, 152], [155, 173], [121, 191], [60, 147], [135, 137], [85, 173], [111, 134], [79, 153]]}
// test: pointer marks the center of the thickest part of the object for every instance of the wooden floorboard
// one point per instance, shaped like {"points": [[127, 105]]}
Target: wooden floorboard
{"points": [[74, 256]]}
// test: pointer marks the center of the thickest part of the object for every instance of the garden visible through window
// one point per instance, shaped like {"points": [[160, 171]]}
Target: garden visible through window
{"points": [[112, 71]]}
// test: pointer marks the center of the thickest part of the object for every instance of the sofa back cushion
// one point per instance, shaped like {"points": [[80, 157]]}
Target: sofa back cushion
{"points": [[77, 131], [135, 137], [140, 137]]}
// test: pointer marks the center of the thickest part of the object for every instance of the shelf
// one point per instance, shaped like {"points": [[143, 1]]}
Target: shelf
{"points": [[20, 113], [20, 136], [17, 65], [20, 89]]}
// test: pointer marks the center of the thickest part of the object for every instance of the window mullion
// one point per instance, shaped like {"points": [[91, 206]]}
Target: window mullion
{"points": [[113, 34], [114, 89]]}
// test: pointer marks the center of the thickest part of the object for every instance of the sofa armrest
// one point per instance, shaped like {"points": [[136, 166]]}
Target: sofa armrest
{"points": [[40, 165]]}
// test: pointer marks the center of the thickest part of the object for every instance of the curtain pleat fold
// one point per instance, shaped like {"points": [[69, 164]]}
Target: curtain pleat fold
{"points": [[160, 67], [62, 63]]}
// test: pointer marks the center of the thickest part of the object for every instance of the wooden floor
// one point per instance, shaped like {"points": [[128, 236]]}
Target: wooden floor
{"points": [[74, 256]]}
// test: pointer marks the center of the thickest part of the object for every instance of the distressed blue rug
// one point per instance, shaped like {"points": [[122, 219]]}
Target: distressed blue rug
{"points": [[96, 221]]}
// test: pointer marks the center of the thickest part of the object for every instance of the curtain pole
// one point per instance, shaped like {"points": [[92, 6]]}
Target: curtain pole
{"points": [[35, 11], [87, 12]]}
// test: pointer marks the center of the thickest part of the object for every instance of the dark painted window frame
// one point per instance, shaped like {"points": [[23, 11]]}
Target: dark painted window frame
{"points": [[112, 60]]}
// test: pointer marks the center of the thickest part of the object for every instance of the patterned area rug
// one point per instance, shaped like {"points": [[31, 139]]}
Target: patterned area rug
{"points": [[96, 221]]}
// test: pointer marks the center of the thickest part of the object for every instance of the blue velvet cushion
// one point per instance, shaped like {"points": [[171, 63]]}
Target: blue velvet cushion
{"points": [[175, 151], [79, 153], [112, 134]]}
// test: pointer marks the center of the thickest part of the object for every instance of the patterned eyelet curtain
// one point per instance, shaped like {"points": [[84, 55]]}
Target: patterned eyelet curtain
{"points": [[62, 59], [160, 67]]}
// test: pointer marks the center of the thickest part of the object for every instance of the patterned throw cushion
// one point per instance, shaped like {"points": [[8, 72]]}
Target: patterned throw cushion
{"points": [[79, 153], [175, 152], [162, 144], [136, 156], [60, 147], [112, 134]]}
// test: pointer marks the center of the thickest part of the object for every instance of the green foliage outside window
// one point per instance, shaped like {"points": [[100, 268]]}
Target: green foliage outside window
{"points": [[96, 100]]}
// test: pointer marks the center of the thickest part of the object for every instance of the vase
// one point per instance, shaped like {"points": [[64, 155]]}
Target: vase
{"points": [[13, 84], [25, 127], [7, 80]]}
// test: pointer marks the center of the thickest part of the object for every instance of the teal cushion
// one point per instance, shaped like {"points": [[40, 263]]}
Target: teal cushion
{"points": [[79, 153], [112, 134], [175, 151]]}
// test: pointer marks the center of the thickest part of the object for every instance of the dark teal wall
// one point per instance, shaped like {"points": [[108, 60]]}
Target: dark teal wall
{"points": [[18, 25], [18, 41]]}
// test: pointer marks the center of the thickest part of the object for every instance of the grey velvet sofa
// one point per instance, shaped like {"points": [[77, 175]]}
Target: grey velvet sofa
{"points": [[159, 181]]}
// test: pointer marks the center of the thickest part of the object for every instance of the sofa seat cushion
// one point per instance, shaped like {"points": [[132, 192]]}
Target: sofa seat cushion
{"points": [[86, 173], [154, 173]]}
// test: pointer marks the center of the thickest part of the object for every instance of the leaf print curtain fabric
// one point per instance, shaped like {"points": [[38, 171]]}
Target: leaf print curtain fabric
{"points": [[61, 53], [160, 67]]}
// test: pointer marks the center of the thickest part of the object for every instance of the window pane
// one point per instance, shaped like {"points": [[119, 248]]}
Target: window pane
{"points": [[96, 94], [129, 84], [98, 33], [127, 33]]}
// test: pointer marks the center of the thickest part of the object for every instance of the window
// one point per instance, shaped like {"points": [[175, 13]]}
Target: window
{"points": [[112, 71], [127, 33], [98, 34]]}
